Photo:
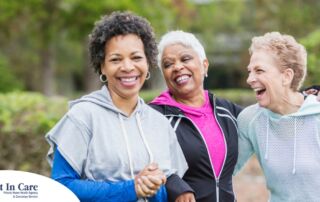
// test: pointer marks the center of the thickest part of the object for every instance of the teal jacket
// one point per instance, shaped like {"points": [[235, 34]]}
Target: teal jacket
{"points": [[287, 147]]}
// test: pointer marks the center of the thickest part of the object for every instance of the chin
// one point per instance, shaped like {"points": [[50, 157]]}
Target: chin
{"points": [[263, 104]]}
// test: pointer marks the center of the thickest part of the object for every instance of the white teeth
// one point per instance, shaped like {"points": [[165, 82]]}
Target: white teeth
{"points": [[128, 79], [257, 89], [182, 78]]}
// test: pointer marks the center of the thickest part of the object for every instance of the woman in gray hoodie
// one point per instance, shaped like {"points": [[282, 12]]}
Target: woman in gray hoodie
{"points": [[110, 145]]}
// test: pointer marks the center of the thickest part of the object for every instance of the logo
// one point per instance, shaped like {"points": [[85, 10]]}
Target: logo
{"points": [[31, 187]]}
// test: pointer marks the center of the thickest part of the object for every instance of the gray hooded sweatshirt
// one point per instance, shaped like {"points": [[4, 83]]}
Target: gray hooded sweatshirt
{"points": [[102, 143]]}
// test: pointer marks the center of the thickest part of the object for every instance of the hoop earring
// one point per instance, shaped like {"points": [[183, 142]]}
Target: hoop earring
{"points": [[103, 78], [148, 75]]}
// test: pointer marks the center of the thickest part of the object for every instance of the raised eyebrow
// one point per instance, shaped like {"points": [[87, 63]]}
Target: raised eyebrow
{"points": [[136, 52]]}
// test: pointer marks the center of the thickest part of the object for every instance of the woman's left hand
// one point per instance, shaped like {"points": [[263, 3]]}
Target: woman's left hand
{"points": [[149, 180]]}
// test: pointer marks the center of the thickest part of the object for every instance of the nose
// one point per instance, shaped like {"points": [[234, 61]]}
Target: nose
{"points": [[127, 65], [178, 66], [251, 78]]}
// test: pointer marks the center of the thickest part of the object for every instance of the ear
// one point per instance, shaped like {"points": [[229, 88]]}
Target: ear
{"points": [[288, 75], [102, 68], [205, 66]]}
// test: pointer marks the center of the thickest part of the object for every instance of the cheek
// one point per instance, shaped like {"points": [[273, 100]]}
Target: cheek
{"points": [[166, 75]]}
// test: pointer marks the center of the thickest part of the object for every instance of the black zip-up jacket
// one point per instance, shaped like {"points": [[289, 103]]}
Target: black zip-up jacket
{"points": [[200, 175]]}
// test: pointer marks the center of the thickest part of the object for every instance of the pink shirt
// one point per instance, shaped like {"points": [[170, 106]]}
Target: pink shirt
{"points": [[205, 121]]}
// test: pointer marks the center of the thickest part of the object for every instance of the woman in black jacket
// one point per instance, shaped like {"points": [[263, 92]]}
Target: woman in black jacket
{"points": [[205, 125]]}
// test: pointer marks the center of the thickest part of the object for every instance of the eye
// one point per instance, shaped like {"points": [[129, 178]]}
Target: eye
{"points": [[166, 64], [115, 60], [137, 58], [186, 58], [259, 70]]}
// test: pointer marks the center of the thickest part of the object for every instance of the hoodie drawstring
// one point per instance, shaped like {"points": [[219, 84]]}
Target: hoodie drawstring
{"points": [[143, 138], [294, 146], [124, 132]]}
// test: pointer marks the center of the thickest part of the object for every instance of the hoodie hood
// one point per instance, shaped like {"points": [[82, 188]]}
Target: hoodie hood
{"points": [[310, 106], [103, 98]]}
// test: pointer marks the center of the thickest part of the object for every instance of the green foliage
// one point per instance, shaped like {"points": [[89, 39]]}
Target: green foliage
{"points": [[242, 97], [8, 81], [312, 44], [24, 119]]}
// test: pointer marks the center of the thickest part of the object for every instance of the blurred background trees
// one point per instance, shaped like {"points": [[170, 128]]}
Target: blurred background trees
{"points": [[43, 43], [44, 57]]}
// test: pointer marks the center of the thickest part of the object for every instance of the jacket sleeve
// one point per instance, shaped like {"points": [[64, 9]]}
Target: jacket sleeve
{"points": [[91, 191], [175, 184], [88, 190], [245, 147]]}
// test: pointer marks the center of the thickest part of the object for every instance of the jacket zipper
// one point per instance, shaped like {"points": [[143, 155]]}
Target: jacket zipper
{"points": [[226, 148], [217, 178]]}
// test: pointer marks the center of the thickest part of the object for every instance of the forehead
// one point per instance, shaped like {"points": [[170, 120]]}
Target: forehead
{"points": [[126, 42], [263, 59], [176, 50]]}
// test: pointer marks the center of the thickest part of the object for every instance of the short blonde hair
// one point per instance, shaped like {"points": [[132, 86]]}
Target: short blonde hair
{"points": [[289, 52]]}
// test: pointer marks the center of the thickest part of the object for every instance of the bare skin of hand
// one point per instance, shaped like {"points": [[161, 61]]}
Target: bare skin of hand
{"points": [[186, 197], [149, 180], [313, 92]]}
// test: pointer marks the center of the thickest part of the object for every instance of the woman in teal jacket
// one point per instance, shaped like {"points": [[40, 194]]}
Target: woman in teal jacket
{"points": [[283, 128]]}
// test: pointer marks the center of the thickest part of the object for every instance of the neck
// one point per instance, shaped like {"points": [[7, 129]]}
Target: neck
{"points": [[126, 105], [290, 103], [196, 100]]}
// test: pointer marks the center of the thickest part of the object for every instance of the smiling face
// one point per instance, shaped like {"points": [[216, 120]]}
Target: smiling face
{"points": [[125, 66], [183, 71], [265, 78]]}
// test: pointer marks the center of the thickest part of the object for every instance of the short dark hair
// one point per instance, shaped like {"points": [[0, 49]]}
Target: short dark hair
{"points": [[121, 23]]}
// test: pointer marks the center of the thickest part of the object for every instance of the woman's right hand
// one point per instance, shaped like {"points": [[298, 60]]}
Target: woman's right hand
{"points": [[149, 180]]}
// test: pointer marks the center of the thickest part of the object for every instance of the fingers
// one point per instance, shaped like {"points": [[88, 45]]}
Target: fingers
{"points": [[148, 188], [151, 182], [152, 166], [143, 189], [158, 179], [311, 91], [139, 191], [151, 169]]}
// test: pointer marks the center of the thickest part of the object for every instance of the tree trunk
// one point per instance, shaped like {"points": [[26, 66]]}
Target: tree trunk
{"points": [[47, 66]]}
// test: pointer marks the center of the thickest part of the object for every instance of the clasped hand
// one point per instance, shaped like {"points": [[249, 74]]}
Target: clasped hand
{"points": [[149, 180]]}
